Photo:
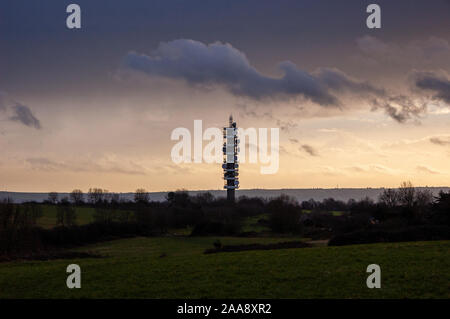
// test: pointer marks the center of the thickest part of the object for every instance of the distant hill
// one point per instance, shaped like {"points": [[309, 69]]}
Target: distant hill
{"points": [[298, 193]]}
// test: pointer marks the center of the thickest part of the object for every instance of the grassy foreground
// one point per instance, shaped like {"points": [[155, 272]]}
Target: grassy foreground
{"points": [[175, 267]]}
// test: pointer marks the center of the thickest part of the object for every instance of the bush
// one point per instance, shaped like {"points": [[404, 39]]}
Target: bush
{"points": [[18, 232], [217, 244], [284, 215], [91, 233], [417, 233]]}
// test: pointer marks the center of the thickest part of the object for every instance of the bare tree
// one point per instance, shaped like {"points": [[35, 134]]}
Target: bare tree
{"points": [[424, 198], [389, 197], [204, 198], [7, 215], [406, 194], [141, 196], [77, 196], [31, 213], [96, 195], [65, 213], [53, 197], [115, 199]]}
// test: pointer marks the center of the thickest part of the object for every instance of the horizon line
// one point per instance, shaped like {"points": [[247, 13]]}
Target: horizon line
{"points": [[222, 190]]}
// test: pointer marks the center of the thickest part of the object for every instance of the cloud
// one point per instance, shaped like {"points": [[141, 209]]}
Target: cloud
{"points": [[383, 169], [358, 169], [372, 46], [223, 65], [400, 108], [338, 81], [435, 46], [431, 52], [427, 170], [373, 169], [309, 149], [2, 102], [18, 112], [305, 147], [437, 84], [286, 125], [24, 115], [102, 166], [440, 141], [44, 164]]}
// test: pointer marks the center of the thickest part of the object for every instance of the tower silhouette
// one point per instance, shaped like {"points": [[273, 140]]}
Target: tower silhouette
{"points": [[230, 159]]}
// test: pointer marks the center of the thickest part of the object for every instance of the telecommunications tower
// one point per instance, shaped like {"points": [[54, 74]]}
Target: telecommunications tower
{"points": [[230, 159]]}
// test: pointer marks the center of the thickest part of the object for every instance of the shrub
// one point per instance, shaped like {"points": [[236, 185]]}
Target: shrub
{"points": [[18, 232], [284, 215], [91, 233], [416, 233], [217, 244]]}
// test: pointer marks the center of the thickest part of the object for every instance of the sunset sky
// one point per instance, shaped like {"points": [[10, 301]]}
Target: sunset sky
{"points": [[95, 107]]}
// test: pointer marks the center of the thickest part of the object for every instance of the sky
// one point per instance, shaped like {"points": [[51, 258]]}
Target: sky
{"points": [[96, 106]]}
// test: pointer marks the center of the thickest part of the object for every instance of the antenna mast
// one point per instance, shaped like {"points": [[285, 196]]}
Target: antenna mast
{"points": [[230, 161]]}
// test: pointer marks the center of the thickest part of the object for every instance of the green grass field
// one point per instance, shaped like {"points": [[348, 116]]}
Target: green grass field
{"points": [[332, 212], [251, 224], [134, 268]]}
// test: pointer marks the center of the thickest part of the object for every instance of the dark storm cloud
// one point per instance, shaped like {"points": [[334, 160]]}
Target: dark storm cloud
{"points": [[338, 81], [309, 149], [24, 115], [222, 64], [41, 51], [399, 107], [437, 84]]}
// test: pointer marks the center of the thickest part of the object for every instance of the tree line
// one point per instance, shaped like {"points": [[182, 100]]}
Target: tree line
{"points": [[403, 209]]}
